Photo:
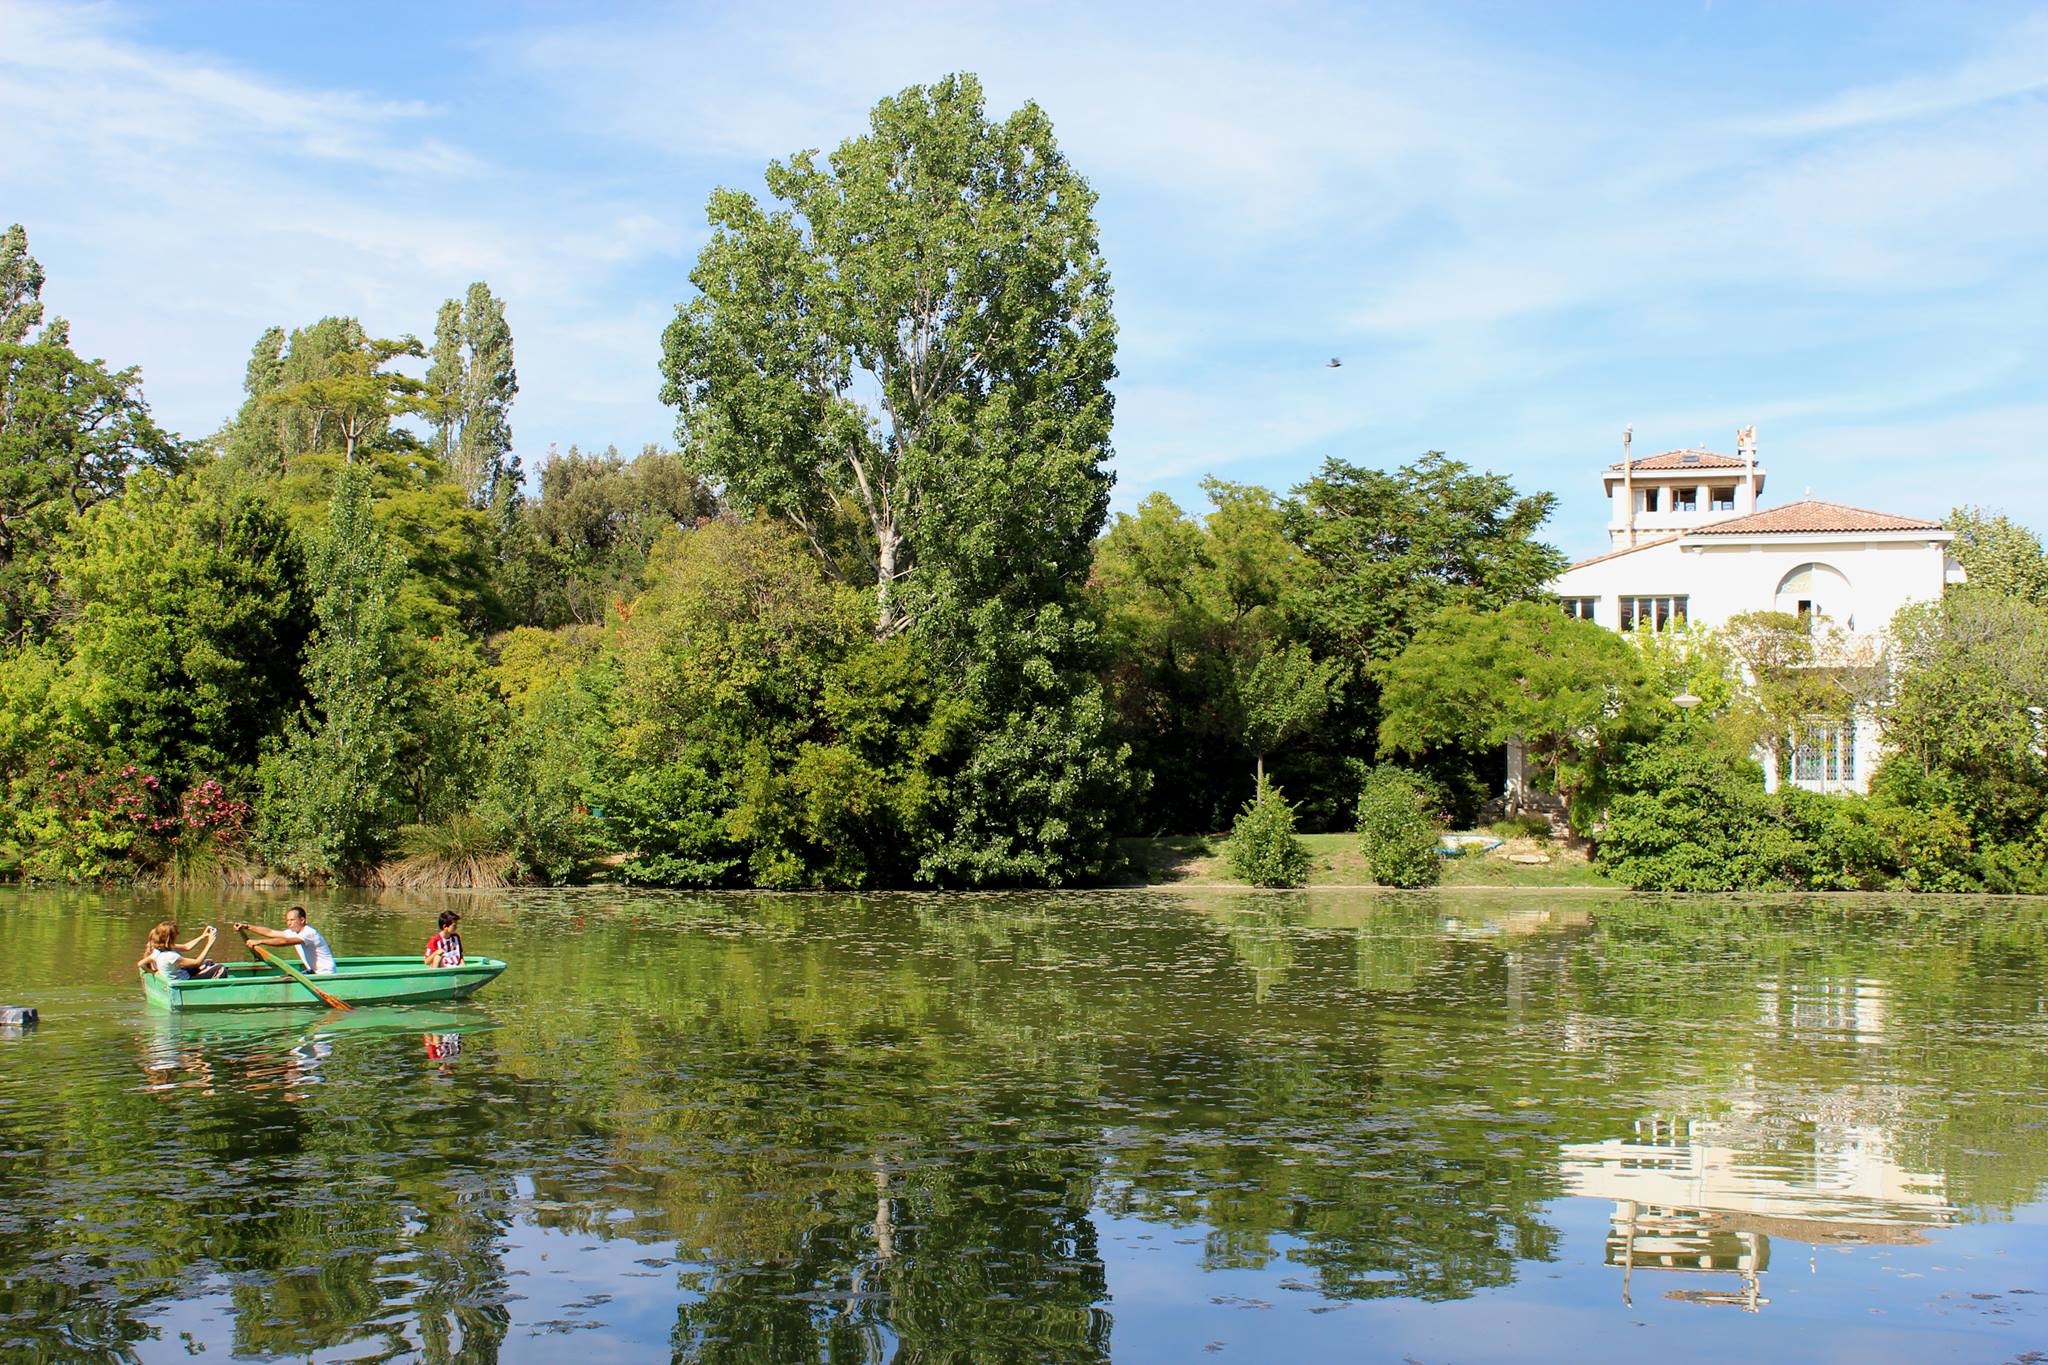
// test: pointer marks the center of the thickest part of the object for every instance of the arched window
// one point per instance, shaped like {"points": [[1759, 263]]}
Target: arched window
{"points": [[1813, 591]]}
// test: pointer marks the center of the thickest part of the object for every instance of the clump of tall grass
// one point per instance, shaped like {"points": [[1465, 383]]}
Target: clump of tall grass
{"points": [[461, 852]]}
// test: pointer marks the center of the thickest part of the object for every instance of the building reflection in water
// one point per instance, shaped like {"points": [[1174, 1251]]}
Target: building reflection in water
{"points": [[1815, 1010], [1705, 1196], [1692, 1241]]}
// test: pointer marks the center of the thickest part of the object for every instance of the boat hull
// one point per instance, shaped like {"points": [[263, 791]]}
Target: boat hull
{"points": [[356, 980]]}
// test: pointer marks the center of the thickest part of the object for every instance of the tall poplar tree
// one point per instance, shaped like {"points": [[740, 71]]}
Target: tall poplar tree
{"points": [[909, 360], [330, 790], [472, 382]]}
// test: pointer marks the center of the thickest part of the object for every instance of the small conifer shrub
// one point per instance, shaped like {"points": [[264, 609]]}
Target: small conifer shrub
{"points": [[1397, 830], [1263, 849]]}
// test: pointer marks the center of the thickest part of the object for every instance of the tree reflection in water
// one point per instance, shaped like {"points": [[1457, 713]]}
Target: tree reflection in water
{"points": [[891, 1128]]}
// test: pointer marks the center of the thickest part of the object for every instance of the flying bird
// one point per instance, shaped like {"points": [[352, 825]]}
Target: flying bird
{"points": [[1336, 364]]}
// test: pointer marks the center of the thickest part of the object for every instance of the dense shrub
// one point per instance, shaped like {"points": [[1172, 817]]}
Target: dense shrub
{"points": [[1928, 847], [671, 822], [533, 793], [1397, 829], [1262, 848], [1693, 818], [2017, 868], [1697, 819], [79, 824]]}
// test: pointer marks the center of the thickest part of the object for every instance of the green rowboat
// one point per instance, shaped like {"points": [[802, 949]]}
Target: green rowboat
{"points": [[357, 980]]}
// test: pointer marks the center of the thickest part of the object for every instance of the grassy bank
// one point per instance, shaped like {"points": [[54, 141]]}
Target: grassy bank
{"points": [[1198, 860]]}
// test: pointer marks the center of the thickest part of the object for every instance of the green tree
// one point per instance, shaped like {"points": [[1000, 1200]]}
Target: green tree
{"points": [[947, 265], [71, 433], [191, 619], [1199, 618], [583, 544], [1965, 705], [1390, 550], [470, 387], [1795, 673], [1998, 553], [21, 288], [323, 398], [359, 399], [1386, 550], [1277, 693], [1568, 689], [331, 789], [721, 666], [943, 268]]}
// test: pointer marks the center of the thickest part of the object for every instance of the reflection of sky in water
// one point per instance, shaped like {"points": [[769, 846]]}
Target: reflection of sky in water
{"points": [[1262, 1128]]}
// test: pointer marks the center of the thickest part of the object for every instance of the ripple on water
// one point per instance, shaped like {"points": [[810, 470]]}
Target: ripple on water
{"points": [[1047, 1127]]}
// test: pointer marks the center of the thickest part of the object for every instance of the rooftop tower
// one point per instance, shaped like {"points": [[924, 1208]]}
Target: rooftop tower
{"points": [[1679, 490]]}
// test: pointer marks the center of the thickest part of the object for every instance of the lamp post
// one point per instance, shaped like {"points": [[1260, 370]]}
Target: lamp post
{"points": [[1685, 701]]}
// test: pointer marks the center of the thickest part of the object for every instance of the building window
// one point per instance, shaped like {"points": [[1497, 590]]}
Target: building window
{"points": [[1721, 499], [1804, 591], [1649, 499], [1685, 499], [1580, 608], [1652, 613], [1826, 756]]}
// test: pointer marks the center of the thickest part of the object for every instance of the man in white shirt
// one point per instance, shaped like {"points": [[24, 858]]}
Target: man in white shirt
{"points": [[313, 950]]}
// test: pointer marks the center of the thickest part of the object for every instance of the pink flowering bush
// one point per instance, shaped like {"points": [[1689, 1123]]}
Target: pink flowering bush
{"points": [[80, 824]]}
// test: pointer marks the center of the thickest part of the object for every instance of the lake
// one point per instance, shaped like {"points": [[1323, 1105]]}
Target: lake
{"points": [[1140, 1126]]}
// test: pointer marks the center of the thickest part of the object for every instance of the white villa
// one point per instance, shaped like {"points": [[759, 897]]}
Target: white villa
{"points": [[1689, 540]]}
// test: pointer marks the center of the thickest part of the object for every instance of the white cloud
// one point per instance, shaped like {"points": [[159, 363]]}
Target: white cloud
{"points": [[181, 205], [1514, 250], [1250, 113], [2018, 65], [118, 97]]}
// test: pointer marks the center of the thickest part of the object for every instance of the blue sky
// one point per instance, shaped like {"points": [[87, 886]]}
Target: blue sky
{"points": [[1521, 226]]}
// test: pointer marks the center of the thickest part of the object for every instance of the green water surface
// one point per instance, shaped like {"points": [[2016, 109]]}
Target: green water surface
{"points": [[1134, 1126]]}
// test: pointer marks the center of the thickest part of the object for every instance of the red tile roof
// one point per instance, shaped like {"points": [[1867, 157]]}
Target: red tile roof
{"points": [[1683, 459], [1812, 515], [1625, 550]]}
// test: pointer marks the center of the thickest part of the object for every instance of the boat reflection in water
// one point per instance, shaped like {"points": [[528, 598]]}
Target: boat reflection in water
{"points": [[282, 1051]]}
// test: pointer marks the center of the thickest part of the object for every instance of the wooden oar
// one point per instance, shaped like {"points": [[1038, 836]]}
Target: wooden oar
{"points": [[295, 974]]}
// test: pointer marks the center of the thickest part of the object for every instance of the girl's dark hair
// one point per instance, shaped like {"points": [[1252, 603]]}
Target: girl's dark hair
{"points": [[448, 917]]}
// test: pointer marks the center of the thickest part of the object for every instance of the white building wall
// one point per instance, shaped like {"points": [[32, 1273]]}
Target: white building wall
{"points": [[1725, 576], [1722, 577]]}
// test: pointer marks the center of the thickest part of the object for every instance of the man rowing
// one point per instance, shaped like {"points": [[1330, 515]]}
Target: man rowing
{"points": [[313, 950]]}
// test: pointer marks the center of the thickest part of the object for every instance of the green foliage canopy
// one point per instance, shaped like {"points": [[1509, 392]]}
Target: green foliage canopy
{"points": [[469, 391], [948, 265], [1999, 554], [1262, 848], [71, 432], [1965, 705], [191, 623], [1567, 688], [332, 787], [1392, 549], [1397, 830]]}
